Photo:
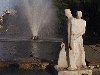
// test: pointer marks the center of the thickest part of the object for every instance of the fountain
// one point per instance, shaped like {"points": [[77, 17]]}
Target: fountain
{"points": [[30, 31], [40, 14], [34, 37]]}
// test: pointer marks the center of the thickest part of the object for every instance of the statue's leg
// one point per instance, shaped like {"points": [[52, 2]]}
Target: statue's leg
{"points": [[82, 54], [83, 57], [72, 58], [78, 54], [72, 65]]}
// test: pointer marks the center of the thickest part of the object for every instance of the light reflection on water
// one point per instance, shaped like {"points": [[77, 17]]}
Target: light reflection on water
{"points": [[10, 50]]}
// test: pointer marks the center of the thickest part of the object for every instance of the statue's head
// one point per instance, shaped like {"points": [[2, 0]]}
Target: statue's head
{"points": [[79, 14], [68, 13]]}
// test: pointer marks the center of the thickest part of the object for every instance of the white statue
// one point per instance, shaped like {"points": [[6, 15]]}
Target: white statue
{"points": [[62, 60], [76, 28], [82, 28]]}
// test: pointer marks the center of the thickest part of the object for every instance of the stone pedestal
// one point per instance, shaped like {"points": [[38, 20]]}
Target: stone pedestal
{"points": [[75, 72]]}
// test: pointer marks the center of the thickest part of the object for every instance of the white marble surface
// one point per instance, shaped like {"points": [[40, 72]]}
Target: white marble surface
{"points": [[62, 61], [76, 28]]}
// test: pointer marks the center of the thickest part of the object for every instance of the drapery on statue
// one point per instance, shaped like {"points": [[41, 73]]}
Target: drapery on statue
{"points": [[76, 28], [62, 60]]}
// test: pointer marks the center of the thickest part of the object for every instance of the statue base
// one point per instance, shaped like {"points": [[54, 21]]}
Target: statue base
{"points": [[75, 72]]}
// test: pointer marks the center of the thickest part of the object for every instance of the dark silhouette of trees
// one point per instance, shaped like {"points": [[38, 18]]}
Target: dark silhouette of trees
{"points": [[90, 9]]}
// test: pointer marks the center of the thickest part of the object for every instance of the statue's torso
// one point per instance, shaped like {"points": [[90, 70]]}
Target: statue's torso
{"points": [[78, 26]]}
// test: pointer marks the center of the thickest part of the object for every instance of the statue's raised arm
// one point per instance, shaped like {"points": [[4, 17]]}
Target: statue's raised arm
{"points": [[69, 18]]}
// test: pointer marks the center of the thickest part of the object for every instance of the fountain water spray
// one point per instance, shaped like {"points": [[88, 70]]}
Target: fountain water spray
{"points": [[40, 13], [33, 17]]}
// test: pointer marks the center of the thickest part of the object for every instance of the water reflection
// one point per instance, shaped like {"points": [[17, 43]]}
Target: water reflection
{"points": [[14, 50]]}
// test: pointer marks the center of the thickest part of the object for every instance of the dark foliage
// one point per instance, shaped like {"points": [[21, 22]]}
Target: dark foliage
{"points": [[90, 9]]}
